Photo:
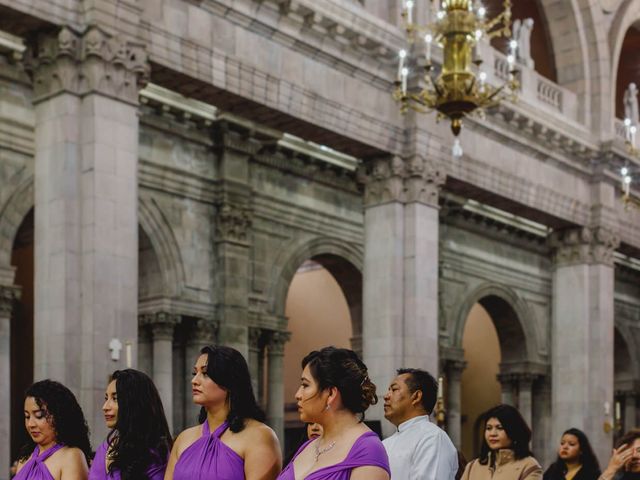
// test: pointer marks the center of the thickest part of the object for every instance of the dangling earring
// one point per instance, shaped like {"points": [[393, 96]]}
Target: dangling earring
{"points": [[327, 408]]}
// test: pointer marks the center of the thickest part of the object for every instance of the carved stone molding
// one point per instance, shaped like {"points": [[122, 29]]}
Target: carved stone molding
{"points": [[233, 223], [89, 62], [204, 330], [276, 341], [255, 338], [393, 179], [161, 324], [8, 297], [584, 245]]}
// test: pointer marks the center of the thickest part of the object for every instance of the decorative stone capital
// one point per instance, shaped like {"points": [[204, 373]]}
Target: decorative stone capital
{"points": [[583, 245], [161, 324], [233, 223], [8, 297], [204, 331], [454, 369], [90, 62], [255, 336], [393, 179], [276, 340]]}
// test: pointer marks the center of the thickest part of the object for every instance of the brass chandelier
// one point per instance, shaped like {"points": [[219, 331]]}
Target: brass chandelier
{"points": [[456, 91], [631, 131]]}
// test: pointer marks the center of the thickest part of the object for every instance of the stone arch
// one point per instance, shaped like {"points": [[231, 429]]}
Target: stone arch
{"points": [[343, 260], [626, 367], [628, 15], [12, 214], [513, 319], [163, 241]]}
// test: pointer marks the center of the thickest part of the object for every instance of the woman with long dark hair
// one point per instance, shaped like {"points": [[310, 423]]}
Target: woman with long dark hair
{"points": [[139, 442], [576, 460], [231, 442], [335, 391], [59, 437], [505, 453]]}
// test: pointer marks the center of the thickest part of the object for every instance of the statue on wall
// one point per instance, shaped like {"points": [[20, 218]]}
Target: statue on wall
{"points": [[630, 101], [522, 35]]}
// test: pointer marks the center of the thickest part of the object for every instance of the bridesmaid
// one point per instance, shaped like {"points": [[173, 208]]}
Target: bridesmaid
{"points": [[139, 442], [231, 443], [335, 391], [59, 445]]}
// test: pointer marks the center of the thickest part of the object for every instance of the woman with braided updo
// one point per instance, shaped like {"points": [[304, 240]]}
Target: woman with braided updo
{"points": [[335, 391]]}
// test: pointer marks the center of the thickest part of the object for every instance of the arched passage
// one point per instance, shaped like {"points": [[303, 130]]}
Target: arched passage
{"points": [[625, 381], [628, 71]]}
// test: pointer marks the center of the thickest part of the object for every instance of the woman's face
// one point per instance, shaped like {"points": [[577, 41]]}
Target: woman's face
{"points": [[314, 430], [569, 450], [311, 402], [495, 435], [38, 423], [204, 390], [110, 406]]}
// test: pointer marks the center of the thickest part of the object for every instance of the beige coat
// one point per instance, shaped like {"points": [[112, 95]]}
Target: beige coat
{"points": [[506, 468]]}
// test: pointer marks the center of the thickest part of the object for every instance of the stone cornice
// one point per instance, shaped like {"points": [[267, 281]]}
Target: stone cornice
{"points": [[583, 245], [89, 62]]}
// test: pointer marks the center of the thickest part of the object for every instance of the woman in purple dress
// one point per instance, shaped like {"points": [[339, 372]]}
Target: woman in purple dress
{"points": [[58, 447], [231, 443], [335, 391], [139, 442]]}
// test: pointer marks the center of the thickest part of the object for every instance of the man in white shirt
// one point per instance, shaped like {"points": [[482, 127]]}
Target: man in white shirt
{"points": [[419, 450]]}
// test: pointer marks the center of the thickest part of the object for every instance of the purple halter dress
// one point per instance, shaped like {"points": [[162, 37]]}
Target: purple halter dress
{"points": [[98, 469], [35, 469], [367, 451], [209, 459]]}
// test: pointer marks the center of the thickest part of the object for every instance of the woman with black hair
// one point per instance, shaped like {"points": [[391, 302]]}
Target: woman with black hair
{"points": [[576, 460], [505, 453], [232, 441], [59, 445], [335, 391], [139, 442]]}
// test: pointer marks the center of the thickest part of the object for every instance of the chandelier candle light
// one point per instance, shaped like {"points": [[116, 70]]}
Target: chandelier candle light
{"points": [[455, 92], [631, 131]]}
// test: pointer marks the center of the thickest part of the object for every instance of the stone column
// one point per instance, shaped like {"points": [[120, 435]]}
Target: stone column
{"points": [[454, 371], [86, 191], [255, 354], [275, 402], [541, 421], [525, 396], [630, 409], [203, 332], [145, 347], [400, 321], [7, 297], [507, 394], [162, 325], [582, 334]]}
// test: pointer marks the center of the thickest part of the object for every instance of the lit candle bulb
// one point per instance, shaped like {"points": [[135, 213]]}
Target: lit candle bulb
{"points": [[618, 416], [405, 74], [478, 35], [428, 38], [402, 55], [482, 12], [409, 9], [632, 131], [440, 388], [483, 78], [627, 185], [627, 126]]}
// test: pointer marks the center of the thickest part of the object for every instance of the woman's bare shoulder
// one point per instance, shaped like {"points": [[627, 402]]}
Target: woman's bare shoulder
{"points": [[188, 436]]}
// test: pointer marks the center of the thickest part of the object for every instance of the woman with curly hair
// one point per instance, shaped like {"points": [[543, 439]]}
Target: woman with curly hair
{"points": [[232, 441], [59, 445], [139, 442], [334, 392], [576, 460], [505, 453]]}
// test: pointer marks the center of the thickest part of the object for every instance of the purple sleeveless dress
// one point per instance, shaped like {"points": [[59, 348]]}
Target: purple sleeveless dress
{"points": [[98, 469], [209, 459], [35, 469], [367, 451]]}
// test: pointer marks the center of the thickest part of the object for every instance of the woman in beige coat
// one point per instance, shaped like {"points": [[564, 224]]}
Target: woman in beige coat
{"points": [[505, 453]]}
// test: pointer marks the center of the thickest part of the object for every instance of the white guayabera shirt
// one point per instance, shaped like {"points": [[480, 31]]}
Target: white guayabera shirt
{"points": [[420, 450]]}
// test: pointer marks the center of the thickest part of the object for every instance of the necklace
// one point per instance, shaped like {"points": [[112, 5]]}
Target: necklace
{"points": [[319, 451]]}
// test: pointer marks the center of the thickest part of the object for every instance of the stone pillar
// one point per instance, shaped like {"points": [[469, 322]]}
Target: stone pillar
{"points": [[7, 297], [203, 332], [255, 360], [525, 396], [454, 371], [582, 334], [630, 409], [541, 421], [400, 322], [86, 191], [162, 325], [275, 402], [145, 347], [507, 393]]}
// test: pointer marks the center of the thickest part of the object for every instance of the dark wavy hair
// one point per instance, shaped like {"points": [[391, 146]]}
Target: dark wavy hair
{"points": [[227, 367], [341, 368], [63, 414], [588, 460], [141, 435], [514, 426]]}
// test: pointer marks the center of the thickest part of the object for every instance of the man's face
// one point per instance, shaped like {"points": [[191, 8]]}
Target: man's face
{"points": [[634, 461], [398, 407]]}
